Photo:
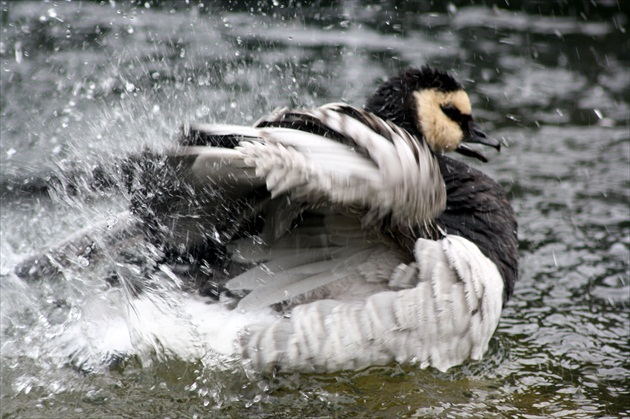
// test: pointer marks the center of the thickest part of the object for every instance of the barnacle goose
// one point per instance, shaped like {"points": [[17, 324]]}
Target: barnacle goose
{"points": [[319, 240], [348, 229]]}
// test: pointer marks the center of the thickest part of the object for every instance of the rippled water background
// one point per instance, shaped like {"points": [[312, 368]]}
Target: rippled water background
{"points": [[87, 83]]}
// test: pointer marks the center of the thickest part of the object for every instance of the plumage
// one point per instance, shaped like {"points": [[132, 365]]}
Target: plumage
{"points": [[336, 237], [449, 314], [314, 168]]}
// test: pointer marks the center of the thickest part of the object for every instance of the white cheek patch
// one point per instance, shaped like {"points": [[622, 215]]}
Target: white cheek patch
{"points": [[449, 134], [459, 99], [441, 132]]}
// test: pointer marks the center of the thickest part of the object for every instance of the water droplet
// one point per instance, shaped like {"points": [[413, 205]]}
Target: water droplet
{"points": [[83, 261], [216, 235], [111, 222], [266, 270]]}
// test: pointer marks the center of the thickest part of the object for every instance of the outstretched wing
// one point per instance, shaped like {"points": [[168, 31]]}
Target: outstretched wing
{"points": [[334, 155], [336, 159]]}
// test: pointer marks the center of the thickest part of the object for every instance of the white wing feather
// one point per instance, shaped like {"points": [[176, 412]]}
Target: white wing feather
{"points": [[398, 176]]}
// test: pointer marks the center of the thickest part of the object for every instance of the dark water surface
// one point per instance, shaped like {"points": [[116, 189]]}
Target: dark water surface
{"points": [[85, 84]]}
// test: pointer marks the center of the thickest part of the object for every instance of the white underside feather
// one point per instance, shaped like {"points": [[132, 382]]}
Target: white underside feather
{"points": [[440, 322]]}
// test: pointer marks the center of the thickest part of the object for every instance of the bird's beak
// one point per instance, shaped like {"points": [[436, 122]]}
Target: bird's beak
{"points": [[476, 135]]}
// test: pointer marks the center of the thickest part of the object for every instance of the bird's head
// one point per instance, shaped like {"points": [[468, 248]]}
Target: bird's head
{"points": [[431, 104]]}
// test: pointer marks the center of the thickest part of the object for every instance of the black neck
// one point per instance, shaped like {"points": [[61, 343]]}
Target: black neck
{"points": [[478, 210]]}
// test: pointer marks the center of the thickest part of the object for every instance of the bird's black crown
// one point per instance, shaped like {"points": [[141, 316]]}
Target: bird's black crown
{"points": [[394, 100], [426, 78]]}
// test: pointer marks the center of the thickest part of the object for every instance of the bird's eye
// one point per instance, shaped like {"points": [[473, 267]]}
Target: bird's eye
{"points": [[456, 115], [452, 112]]}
